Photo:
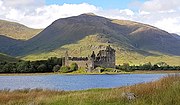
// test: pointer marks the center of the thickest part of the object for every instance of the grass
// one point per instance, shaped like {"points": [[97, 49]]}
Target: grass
{"points": [[82, 72], [162, 92]]}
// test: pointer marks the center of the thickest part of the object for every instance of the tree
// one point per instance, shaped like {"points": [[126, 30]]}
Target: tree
{"points": [[147, 66], [42, 68], [6, 68], [23, 67], [73, 67], [1, 68], [51, 62], [13, 68], [155, 67], [64, 69], [125, 67], [56, 68]]}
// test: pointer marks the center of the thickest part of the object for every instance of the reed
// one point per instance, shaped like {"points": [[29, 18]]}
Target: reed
{"points": [[162, 92]]}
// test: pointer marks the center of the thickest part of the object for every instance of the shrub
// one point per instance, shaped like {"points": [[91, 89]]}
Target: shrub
{"points": [[147, 66], [109, 69], [56, 68], [73, 67], [64, 69], [42, 68]]}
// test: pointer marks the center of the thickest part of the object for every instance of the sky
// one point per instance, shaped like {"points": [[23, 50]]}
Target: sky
{"points": [[164, 14], [106, 4]]}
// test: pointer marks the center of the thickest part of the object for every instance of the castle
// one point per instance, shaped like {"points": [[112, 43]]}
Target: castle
{"points": [[105, 58]]}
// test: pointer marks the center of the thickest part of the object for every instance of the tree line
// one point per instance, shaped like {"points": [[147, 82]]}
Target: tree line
{"points": [[147, 66], [39, 66], [52, 64]]}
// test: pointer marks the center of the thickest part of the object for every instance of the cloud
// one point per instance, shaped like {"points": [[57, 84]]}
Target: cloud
{"points": [[48, 14], [159, 5], [144, 13], [162, 14], [23, 3], [170, 24], [127, 12], [34, 13], [43, 15]]}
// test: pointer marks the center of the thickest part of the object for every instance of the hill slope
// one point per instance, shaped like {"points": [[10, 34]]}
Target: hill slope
{"points": [[149, 38], [134, 42], [127, 34], [6, 58], [70, 30], [17, 31], [9, 45], [85, 46], [176, 36]]}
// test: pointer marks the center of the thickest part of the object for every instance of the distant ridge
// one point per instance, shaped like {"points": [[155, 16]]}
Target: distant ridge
{"points": [[17, 31]]}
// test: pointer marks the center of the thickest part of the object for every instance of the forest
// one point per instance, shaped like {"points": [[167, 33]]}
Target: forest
{"points": [[39, 66], [147, 66]]}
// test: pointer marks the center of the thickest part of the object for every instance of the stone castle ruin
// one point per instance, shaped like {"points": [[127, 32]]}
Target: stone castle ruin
{"points": [[105, 58]]}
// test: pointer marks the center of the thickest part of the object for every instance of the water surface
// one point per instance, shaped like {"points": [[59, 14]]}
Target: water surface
{"points": [[74, 82]]}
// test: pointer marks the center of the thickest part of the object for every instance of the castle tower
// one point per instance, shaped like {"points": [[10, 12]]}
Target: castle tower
{"points": [[66, 59], [91, 60], [105, 58], [93, 55], [110, 56]]}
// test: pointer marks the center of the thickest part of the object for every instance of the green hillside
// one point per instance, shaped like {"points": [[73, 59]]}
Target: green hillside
{"points": [[16, 30], [91, 43], [6, 58]]}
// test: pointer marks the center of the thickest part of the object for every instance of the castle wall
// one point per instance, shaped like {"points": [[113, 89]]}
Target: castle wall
{"points": [[79, 63], [105, 58], [106, 64]]}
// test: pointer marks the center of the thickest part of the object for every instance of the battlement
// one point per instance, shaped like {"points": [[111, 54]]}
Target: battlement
{"points": [[78, 58]]}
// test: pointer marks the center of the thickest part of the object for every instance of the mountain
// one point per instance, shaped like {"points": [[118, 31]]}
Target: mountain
{"points": [[16, 30], [134, 42], [70, 30], [131, 35]]}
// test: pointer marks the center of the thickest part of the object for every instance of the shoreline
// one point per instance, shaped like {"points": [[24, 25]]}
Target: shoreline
{"points": [[104, 73]]}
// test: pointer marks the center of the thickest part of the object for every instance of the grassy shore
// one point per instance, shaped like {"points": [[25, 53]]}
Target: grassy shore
{"points": [[155, 71], [85, 73], [162, 92]]}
